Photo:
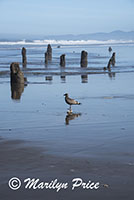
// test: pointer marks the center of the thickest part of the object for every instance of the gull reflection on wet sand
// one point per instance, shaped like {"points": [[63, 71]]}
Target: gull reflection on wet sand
{"points": [[71, 116]]}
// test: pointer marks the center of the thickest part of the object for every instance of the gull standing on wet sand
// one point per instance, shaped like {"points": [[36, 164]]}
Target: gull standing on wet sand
{"points": [[70, 101]]}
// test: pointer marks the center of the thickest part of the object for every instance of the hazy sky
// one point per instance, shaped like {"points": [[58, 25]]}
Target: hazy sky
{"points": [[65, 16]]}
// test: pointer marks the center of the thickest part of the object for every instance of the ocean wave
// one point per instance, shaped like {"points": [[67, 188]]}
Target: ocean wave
{"points": [[66, 42]]}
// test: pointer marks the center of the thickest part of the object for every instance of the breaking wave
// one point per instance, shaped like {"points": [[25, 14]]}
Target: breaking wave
{"points": [[66, 42]]}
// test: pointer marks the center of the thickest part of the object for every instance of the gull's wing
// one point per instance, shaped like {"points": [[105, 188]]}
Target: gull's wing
{"points": [[72, 101]]}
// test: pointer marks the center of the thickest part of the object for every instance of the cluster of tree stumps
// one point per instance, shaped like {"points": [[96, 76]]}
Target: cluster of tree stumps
{"points": [[83, 60], [18, 81], [48, 57]]}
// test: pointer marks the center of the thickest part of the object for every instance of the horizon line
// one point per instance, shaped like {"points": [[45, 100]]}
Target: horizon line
{"points": [[43, 34]]}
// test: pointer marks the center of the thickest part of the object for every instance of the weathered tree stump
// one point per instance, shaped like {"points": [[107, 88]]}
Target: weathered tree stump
{"points": [[109, 64], [16, 75], [113, 59], [84, 61], [62, 60], [49, 51], [24, 58]]}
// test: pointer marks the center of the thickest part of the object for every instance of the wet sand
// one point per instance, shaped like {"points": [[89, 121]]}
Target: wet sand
{"points": [[22, 160], [38, 139]]}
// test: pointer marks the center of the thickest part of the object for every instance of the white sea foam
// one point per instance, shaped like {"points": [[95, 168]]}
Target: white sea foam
{"points": [[66, 42]]}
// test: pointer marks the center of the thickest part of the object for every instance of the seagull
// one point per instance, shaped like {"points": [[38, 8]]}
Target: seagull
{"points": [[70, 101]]}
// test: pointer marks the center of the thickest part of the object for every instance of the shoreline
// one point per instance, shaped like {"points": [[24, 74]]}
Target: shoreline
{"points": [[6, 74]]}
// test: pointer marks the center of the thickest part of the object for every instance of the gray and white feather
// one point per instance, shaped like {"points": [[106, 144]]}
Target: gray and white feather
{"points": [[70, 101]]}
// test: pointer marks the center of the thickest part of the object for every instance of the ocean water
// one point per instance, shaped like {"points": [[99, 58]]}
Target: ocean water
{"points": [[98, 54], [101, 126]]}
